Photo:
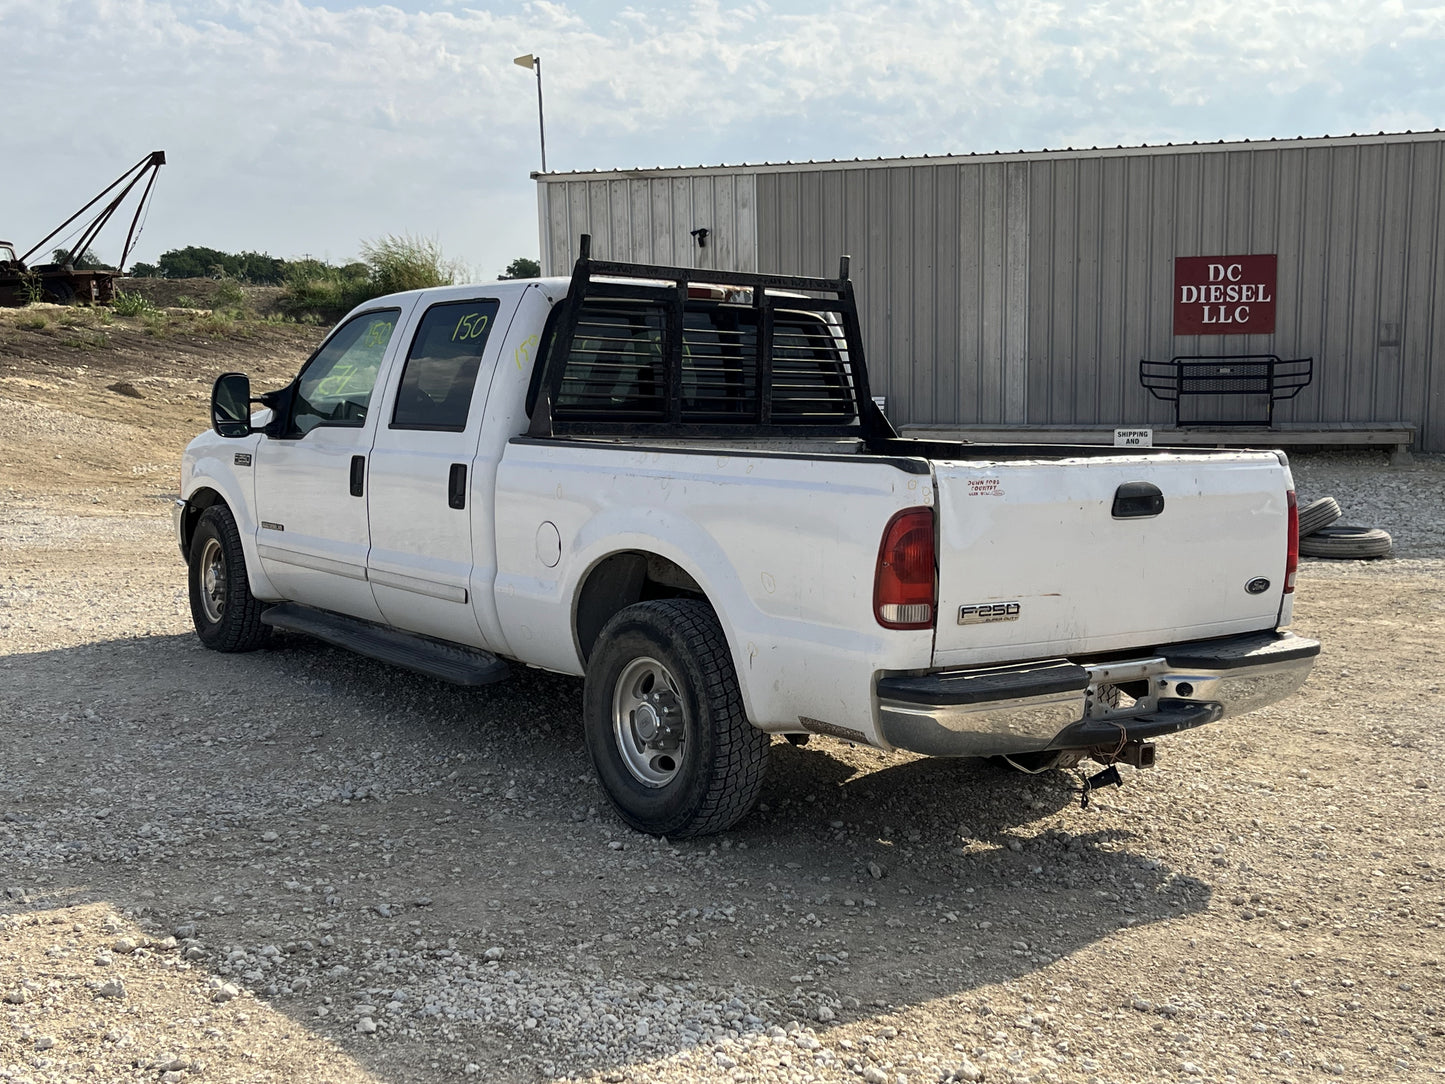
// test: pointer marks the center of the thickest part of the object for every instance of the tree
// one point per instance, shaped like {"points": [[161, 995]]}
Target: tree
{"points": [[196, 261], [522, 267], [84, 261], [193, 262], [145, 271]]}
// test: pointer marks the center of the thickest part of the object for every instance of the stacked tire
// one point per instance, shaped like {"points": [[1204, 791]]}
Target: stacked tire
{"points": [[1322, 535]]}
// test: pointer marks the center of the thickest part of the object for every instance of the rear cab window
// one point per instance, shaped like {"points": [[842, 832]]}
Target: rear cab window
{"points": [[441, 367], [616, 368]]}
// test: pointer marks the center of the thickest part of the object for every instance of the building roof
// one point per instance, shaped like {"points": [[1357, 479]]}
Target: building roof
{"points": [[995, 156]]}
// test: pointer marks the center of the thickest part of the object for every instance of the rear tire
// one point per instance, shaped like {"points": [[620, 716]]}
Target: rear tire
{"points": [[226, 615], [60, 292], [665, 724], [1347, 543], [1318, 514]]}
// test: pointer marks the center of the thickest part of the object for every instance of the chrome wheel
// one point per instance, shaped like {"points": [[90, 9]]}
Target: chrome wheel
{"points": [[213, 580], [647, 722]]}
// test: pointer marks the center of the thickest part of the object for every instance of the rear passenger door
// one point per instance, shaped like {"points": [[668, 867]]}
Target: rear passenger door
{"points": [[422, 501]]}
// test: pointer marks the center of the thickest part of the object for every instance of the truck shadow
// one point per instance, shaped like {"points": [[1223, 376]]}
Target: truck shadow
{"points": [[300, 793]]}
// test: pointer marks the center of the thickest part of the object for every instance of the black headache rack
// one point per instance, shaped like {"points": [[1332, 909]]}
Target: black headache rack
{"points": [[645, 350], [1261, 378]]}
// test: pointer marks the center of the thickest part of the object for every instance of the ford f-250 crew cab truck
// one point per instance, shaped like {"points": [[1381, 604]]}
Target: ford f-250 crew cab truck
{"points": [[676, 484]]}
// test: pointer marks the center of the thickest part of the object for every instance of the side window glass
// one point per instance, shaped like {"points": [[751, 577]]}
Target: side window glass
{"points": [[336, 385], [441, 367]]}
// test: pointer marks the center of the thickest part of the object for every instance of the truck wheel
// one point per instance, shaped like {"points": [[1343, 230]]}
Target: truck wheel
{"points": [[60, 292], [227, 616], [665, 724]]}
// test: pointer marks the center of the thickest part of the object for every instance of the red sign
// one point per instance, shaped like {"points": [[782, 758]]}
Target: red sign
{"points": [[1224, 295]]}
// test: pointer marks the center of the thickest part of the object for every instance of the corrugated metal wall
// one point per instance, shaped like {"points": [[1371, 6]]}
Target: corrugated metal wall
{"points": [[1025, 288], [650, 220]]}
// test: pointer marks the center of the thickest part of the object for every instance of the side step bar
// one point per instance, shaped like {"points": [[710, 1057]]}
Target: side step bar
{"points": [[447, 662]]}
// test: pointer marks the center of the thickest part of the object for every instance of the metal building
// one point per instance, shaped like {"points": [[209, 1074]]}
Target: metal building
{"points": [[1007, 290]]}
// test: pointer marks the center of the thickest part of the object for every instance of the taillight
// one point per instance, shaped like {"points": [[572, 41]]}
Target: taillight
{"points": [[903, 583], [1291, 560]]}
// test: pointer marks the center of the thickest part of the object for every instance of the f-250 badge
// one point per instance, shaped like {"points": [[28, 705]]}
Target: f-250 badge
{"points": [[988, 612]]}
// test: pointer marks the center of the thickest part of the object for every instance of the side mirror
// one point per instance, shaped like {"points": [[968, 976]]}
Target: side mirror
{"points": [[231, 405]]}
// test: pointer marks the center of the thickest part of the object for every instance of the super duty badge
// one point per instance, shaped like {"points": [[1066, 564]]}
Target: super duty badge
{"points": [[988, 612]]}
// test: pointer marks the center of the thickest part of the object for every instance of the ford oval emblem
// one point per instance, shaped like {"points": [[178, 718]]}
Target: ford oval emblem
{"points": [[1257, 586]]}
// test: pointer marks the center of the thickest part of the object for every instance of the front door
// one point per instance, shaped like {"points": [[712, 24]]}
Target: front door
{"points": [[422, 473], [311, 479]]}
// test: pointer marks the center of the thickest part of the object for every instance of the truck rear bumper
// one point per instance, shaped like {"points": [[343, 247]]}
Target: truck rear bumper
{"points": [[1060, 704]]}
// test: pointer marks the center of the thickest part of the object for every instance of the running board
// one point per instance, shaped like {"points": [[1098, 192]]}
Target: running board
{"points": [[447, 662]]}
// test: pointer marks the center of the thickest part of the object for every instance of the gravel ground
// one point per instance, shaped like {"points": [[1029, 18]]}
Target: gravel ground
{"points": [[298, 865]]}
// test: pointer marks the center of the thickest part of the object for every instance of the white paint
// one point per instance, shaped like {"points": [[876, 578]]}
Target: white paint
{"points": [[784, 547], [1087, 582]]}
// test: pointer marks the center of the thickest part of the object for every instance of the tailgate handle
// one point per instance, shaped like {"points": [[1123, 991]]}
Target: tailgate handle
{"points": [[1137, 500]]}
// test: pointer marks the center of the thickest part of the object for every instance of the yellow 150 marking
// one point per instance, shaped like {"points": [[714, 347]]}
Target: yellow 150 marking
{"points": [[379, 334], [524, 351], [471, 326]]}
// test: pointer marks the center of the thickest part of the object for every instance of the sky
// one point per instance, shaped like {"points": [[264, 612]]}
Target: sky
{"points": [[307, 129]]}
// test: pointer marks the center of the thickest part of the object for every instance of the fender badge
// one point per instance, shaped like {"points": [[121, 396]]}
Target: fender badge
{"points": [[1257, 586], [243, 459]]}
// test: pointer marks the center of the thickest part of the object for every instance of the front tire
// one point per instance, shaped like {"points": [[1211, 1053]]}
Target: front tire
{"points": [[226, 615], [665, 724]]}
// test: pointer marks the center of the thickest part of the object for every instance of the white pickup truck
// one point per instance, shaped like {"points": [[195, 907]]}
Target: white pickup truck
{"points": [[676, 484]]}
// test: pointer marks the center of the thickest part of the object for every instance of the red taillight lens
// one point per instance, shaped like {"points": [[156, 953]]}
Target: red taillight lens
{"points": [[1291, 560], [904, 594]]}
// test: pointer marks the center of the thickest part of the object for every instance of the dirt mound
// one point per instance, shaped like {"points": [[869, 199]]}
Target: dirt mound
{"points": [[206, 294], [143, 383]]}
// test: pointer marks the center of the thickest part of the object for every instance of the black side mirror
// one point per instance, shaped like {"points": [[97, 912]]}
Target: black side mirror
{"points": [[231, 405]]}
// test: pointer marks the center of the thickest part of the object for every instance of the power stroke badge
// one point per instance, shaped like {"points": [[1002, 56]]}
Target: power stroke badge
{"points": [[987, 612]]}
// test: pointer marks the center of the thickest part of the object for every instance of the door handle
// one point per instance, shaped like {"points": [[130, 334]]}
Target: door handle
{"points": [[457, 486], [358, 474]]}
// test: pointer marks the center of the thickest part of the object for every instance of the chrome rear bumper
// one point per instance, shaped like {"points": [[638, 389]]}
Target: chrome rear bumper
{"points": [[1059, 704]]}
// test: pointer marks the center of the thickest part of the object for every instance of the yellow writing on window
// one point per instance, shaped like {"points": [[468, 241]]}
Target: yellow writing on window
{"points": [[471, 326], [379, 334]]}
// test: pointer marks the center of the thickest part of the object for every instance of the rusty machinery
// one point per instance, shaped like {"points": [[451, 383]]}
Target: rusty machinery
{"points": [[61, 281]]}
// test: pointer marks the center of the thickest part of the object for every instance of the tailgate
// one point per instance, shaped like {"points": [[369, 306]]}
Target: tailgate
{"points": [[1033, 562]]}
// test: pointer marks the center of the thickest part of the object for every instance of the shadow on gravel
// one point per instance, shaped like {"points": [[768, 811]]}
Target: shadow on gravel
{"points": [[335, 829]]}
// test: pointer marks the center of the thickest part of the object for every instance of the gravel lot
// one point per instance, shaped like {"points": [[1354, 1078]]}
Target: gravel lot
{"points": [[299, 865]]}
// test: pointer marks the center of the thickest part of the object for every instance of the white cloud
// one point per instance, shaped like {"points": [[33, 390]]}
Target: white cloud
{"points": [[295, 127]]}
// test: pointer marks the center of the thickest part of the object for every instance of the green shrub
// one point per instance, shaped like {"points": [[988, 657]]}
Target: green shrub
{"points": [[229, 298], [33, 322], [32, 290], [88, 340], [220, 324], [407, 263], [124, 304], [391, 265]]}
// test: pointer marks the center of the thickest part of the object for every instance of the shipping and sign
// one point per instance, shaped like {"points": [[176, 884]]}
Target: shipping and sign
{"points": [[1224, 295]]}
